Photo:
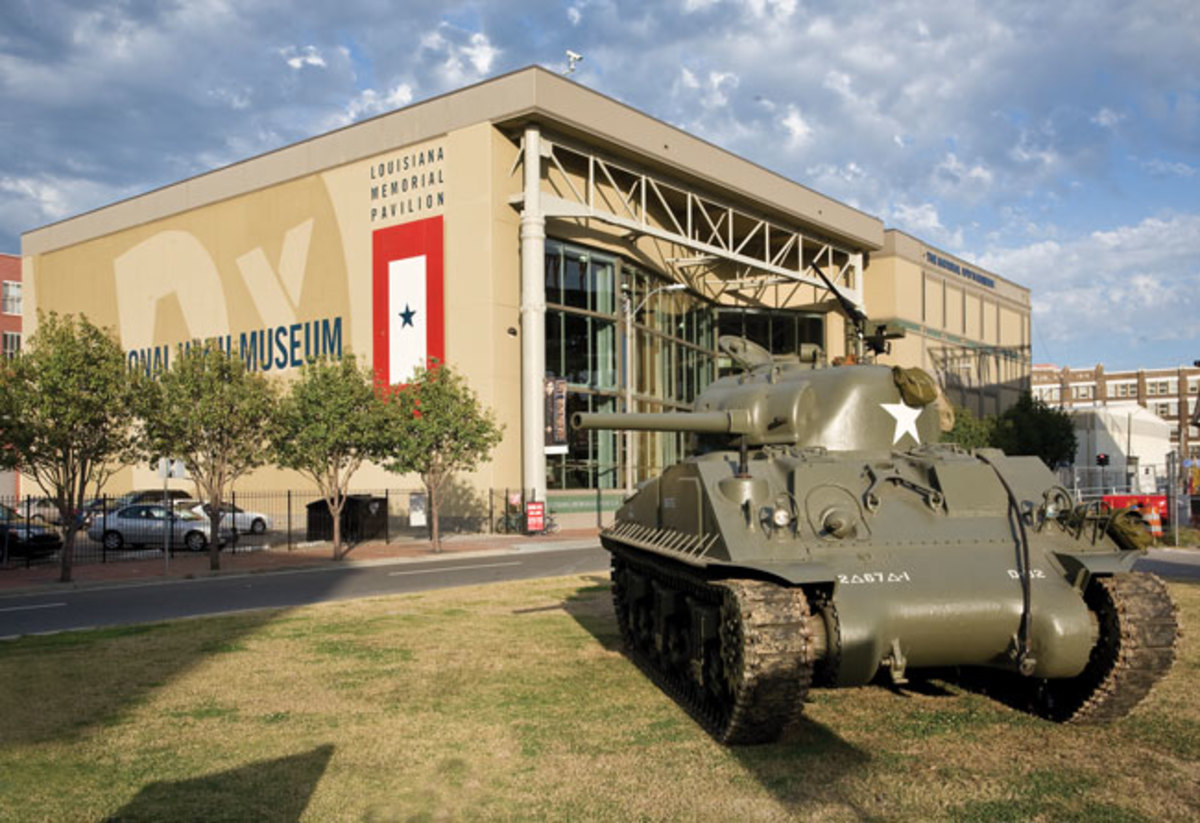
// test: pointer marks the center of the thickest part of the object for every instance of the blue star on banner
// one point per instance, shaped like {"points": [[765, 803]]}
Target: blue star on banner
{"points": [[406, 316]]}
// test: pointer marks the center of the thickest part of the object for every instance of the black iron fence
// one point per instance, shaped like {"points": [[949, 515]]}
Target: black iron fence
{"points": [[138, 526]]}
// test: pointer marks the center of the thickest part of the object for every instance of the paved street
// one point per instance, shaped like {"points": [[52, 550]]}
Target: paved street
{"points": [[1173, 564], [150, 601], [143, 602]]}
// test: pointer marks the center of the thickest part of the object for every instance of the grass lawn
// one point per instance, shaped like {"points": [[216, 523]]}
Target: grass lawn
{"points": [[512, 702]]}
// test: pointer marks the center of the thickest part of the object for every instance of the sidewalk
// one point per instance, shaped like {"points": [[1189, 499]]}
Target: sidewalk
{"points": [[184, 565]]}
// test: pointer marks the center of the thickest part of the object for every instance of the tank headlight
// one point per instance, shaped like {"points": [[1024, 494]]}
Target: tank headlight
{"points": [[781, 517]]}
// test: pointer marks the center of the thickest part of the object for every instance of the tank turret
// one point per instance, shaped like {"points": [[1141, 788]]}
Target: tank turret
{"points": [[821, 534], [842, 408]]}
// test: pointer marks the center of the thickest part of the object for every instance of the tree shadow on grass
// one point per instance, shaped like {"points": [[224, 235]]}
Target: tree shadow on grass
{"points": [[812, 765], [276, 790], [72, 682]]}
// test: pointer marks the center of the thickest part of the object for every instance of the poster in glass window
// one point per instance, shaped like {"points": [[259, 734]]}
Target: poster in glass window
{"points": [[556, 416]]}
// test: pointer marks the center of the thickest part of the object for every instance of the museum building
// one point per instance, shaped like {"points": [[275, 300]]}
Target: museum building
{"points": [[563, 251]]}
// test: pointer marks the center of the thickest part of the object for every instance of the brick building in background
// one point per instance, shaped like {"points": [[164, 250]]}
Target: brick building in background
{"points": [[10, 334], [1169, 393]]}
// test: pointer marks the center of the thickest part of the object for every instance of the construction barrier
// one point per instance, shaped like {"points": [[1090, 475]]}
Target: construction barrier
{"points": [[1153, 521]]}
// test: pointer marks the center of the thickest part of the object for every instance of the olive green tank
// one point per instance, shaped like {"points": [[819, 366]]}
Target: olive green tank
{"points": [[822, 535]]}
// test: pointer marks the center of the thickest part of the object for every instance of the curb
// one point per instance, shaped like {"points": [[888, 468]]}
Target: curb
{"points": [[318, 565]]}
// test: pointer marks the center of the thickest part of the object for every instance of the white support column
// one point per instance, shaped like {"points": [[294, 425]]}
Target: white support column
{"points": [[533, 322]]}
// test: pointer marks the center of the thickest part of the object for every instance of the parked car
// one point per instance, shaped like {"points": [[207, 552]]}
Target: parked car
{"points": [[39, 508], [45, 510], [235, 517], [149, 496], [147, 524], [21, 538]]}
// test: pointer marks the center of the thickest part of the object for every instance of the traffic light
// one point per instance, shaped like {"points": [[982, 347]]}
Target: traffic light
{"points": [[1102, 459]]}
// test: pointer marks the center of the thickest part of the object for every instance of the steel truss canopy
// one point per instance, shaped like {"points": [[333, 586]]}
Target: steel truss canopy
{"points": [[722, 252]]}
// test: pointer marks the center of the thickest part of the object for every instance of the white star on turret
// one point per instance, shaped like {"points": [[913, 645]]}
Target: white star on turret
{"points": [[906, 420]]}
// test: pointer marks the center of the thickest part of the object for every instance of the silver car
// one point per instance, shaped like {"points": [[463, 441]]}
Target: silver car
{"points": [[148, 524], [235, 517]]}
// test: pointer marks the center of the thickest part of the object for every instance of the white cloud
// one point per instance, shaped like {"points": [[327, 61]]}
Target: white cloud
{"points": [[954, 178], [1166, 168], [30, 202], [1110, 296], [923, 220], [1107, 118], [465, 57], [369, 103], [481, 53], [299, 58], [799, 132]]}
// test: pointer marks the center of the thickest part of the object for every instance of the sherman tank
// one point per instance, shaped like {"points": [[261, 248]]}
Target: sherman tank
{"points": [[822, 535]]}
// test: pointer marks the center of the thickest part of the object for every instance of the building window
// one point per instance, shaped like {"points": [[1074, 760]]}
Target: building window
{"points": [[779, 332], [672, 358], [12, 345], [10, 297]]}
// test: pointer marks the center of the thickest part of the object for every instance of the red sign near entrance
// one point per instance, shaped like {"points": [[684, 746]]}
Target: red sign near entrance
{"points": [[535, 517]]}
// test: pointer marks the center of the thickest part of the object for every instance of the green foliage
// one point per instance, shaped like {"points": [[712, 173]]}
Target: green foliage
{"points": [[437, 428], [330, 421], [969, 431], [1029, 427], [213, 414], [65, 413], [1032, 428]]}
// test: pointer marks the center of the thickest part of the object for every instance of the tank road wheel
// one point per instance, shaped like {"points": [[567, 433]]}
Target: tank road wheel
{"points": [[1135, 649], [767, 657], [620, 607], [737, 655]]}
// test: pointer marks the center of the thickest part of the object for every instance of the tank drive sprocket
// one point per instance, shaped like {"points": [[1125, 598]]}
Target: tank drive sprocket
{"points": [[1136, 647], [735, 654]]}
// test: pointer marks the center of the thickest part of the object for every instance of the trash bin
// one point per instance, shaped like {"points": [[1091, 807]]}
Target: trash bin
{"points": [[363, 518]]}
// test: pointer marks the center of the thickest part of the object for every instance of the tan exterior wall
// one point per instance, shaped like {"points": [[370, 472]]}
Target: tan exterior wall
{"points": [[970, 328], [285, 242], [300, 252]]}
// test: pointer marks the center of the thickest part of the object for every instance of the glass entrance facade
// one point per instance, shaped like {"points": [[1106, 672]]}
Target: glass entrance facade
{"points": [[659, 361], [777, 331]]}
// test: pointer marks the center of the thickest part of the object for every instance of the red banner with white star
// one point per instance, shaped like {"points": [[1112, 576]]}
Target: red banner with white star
{"points": [[407, 299]]}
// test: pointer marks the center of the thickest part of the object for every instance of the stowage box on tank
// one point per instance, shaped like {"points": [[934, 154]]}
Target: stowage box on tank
{"points": [[821, 533]]}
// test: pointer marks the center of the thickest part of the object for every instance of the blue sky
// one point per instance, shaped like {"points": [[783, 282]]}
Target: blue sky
{"points": [[1057, 144]]}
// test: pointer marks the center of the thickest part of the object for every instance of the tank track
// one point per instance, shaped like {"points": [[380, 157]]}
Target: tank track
{"points": [[737, 655], [1136, 647]]}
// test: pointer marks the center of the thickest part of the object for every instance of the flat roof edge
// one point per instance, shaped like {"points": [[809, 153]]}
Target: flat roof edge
{"points": [[530, 93]]}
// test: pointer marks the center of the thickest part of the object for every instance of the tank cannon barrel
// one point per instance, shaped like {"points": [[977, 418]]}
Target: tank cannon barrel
{"points": [[737, 421]]}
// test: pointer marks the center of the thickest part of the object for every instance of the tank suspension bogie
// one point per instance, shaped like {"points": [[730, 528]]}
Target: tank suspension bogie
{"points": [[1136, 647], [738, 655]]}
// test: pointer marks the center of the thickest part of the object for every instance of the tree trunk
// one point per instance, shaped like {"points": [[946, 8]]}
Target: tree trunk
{"points": [[336, 514], [214, 538], [68, 555], [434, 529], [67, 525]]}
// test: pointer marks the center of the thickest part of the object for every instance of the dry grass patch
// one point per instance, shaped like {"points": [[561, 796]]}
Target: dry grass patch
{"points": [[512, 702]]}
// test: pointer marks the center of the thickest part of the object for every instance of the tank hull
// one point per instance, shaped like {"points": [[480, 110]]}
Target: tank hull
{"points": [[905, 561]]}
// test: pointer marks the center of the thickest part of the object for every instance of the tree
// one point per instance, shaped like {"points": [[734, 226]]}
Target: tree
{"points": [[66, 406], [213, 414], [1033, 428], [969, 431], [437, 428], [329, 423]]}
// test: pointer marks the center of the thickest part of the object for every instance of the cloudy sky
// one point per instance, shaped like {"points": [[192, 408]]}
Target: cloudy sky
{"points": [[1057, 144]]}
